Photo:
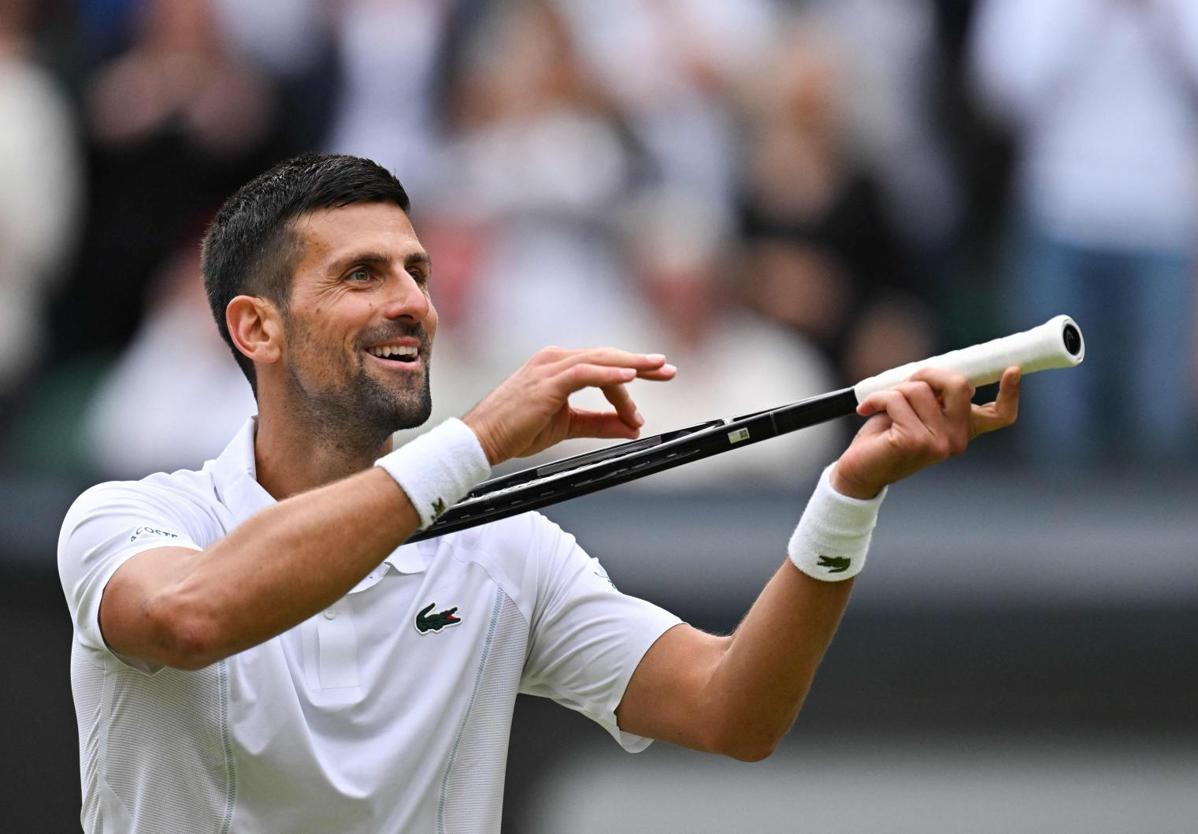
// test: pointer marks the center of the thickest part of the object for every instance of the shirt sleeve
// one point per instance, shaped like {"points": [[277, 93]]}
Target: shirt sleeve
{"points": [[104, 528], [587, 637]]}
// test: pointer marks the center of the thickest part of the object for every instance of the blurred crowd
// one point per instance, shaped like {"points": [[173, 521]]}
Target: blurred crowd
{"points": [[784, 196]]}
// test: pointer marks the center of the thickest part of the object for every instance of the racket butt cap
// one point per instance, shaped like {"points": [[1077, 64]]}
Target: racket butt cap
{"points": [[1073, 339]]}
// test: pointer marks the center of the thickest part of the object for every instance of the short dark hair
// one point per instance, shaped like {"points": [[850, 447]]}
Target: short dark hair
{"points": [[250, 246]]}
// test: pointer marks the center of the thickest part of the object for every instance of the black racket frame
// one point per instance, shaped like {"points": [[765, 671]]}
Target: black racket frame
{"points": [[561, 480]]}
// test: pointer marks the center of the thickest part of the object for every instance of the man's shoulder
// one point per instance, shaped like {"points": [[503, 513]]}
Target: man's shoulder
{"points": [[181, 491], [113, 521], [192, 483]]}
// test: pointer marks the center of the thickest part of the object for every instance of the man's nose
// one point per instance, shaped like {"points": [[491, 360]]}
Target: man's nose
{"points": [[406, 298]]}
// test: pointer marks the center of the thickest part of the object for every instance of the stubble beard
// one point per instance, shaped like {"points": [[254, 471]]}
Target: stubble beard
{"points": [[362, 412], [388, 410]]}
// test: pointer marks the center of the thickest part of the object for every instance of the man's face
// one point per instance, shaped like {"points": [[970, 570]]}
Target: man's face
{"points": [[360, 324]]}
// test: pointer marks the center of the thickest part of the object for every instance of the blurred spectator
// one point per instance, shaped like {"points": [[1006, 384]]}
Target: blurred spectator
{"points": [[674, 67], [292, 42], [1101, 95], [174, 124], [535, 169], [105, 25], [391, 59], [284, 37], [730, 361], [39, 196], [892, 64], [823, 257], [148, 417]]}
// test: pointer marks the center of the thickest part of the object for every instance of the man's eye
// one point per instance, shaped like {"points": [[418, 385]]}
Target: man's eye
{"points": [[359, 275]]}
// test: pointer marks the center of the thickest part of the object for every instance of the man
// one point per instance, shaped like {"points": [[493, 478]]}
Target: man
{"points": [[256, 649]]}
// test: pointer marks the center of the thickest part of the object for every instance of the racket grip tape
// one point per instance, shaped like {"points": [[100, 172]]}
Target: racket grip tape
{"points": [[1057, 343]]}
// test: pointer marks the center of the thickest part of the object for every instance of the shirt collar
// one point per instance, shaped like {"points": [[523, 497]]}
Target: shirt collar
{"points": [[235, 476]]}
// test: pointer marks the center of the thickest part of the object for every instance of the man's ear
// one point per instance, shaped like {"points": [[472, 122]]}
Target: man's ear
{"points": [[256, 327]]}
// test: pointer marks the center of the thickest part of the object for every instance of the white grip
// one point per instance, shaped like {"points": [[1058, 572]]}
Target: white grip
{"points": [[1057, 343]]}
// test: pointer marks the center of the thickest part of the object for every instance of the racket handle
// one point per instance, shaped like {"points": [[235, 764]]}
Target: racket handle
{"points": [[1057, 343]]}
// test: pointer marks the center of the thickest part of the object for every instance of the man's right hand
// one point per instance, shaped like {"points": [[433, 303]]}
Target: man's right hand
{"points": [[531, 411]]}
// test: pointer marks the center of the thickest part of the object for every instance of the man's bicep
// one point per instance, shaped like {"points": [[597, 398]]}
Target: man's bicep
{"points": [[667, 696], [107, 527], [125, 621]]}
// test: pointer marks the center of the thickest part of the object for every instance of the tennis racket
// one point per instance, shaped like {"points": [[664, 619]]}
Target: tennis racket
{"points": [[1057, 343]]}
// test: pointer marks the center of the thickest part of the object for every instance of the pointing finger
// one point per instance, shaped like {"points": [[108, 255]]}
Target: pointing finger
{"points": [[641, 362], [664, 373], [577, 376]]}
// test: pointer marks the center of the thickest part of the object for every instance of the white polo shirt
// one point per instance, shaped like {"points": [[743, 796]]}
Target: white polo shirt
{"points": [[388, 712]]}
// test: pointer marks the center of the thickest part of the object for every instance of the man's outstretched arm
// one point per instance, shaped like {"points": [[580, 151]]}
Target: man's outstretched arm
{"points": [[187, 608], [739, 695]]}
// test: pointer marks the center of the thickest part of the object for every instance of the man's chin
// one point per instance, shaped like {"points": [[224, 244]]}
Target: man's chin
{"points": [[408, 402], [402, 422], [408, 412]]}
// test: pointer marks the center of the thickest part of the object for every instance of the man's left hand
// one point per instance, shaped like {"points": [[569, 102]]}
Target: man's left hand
{"points": [[925, 420]]}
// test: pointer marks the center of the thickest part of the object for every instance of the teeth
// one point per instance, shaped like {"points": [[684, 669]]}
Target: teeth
{"points": [[386, 351]]}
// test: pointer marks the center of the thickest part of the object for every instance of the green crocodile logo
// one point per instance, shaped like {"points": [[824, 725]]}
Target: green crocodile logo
{"points": [[835, 564], [427, 621], [438, 507]]}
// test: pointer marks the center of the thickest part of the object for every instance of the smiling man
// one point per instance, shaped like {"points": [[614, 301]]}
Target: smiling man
{"points": [[256, 649]]}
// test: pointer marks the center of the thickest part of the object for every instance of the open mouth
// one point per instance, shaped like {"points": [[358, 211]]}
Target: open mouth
{"points": [[401, 353]]}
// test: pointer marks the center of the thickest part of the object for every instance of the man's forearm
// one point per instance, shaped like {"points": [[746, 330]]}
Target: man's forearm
{"points": [[280, 567], [737, 695], [769, 663]]}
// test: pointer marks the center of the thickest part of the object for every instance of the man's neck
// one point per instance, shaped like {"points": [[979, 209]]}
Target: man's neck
{"points": [[293, 457]]}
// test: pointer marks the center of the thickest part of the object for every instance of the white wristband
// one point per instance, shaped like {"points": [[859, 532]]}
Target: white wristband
{"points": [[832, 538], [438, 468]]}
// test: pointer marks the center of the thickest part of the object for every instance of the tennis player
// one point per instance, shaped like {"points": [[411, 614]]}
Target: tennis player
{"points": [[257, 650]]}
